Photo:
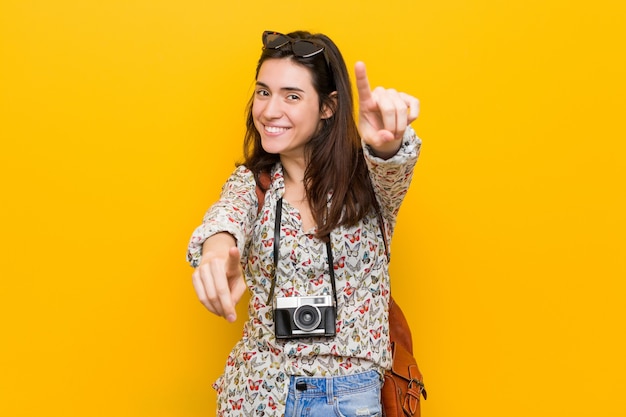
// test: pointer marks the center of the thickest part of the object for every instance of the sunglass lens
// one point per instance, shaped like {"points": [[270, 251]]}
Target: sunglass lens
{"points": [[306, 49], [274, 40]]}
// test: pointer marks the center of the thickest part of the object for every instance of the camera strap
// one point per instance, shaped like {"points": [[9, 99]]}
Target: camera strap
{"points": [[329, 254]]}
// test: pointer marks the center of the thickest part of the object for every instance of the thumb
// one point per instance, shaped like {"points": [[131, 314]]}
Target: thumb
{"points": [[382, 136]]}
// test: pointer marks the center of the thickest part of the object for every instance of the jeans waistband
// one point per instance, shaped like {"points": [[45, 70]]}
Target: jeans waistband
{"points": [[303, 386]]}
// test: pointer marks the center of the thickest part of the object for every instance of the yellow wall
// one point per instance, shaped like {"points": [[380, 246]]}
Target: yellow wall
{"points": [[120, 119]]}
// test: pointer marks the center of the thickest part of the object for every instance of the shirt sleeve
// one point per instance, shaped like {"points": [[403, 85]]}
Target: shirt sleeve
{"points": [[234, 213], [392, 177]]}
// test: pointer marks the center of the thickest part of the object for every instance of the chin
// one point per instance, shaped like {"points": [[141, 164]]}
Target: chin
{"points": [[269, 147]]}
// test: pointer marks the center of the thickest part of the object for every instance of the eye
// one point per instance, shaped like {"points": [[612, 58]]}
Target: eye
{"points": [[262, 92], [293, 97]]}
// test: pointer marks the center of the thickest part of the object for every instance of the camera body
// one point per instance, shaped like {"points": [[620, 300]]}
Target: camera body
{"points": [[305, 316]]}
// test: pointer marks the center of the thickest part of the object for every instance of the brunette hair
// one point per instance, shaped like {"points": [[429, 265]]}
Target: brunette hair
{"points": [[335, 157]]}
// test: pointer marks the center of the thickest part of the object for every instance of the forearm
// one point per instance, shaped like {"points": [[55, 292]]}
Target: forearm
{"points": [[233, 213], [218, 245], [391, 177]]}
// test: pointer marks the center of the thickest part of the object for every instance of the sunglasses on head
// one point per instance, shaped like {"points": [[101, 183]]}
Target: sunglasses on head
{"points": [[301, 48]]}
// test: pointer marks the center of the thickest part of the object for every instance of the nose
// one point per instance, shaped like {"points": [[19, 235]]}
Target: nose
{"points": [[272, 108]]}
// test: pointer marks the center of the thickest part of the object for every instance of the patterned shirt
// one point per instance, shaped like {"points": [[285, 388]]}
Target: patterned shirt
{"points": [[256, 375]]}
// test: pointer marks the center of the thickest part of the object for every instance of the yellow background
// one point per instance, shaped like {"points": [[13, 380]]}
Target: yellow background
{"points": [[120, 120]]}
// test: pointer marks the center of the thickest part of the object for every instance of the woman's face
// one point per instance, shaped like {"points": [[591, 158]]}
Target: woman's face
{"points": [[285, 108]]}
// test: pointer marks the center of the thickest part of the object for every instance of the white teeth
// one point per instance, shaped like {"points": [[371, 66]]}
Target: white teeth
{"points": [[275, 129]]}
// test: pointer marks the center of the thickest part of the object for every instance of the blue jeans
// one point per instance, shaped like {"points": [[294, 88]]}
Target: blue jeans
{"points": [[343, 396]]}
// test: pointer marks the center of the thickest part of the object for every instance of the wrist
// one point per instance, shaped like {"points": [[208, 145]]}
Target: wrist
{"points": [[386, 150]]}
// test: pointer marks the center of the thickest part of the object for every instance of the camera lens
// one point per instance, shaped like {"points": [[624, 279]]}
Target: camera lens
{"points": [[307, 317]]}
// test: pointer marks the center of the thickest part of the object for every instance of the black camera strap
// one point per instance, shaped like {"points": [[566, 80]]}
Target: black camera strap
{"points": [[329, 254]]}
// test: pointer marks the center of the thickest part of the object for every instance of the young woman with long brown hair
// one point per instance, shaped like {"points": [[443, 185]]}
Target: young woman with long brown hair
{"points": [[312, 256]]}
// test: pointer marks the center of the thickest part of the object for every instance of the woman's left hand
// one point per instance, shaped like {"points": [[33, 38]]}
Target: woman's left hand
{"points": [[384, 115]]}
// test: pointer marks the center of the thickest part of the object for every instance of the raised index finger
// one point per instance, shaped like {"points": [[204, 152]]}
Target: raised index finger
{"points": [[362, 83]]}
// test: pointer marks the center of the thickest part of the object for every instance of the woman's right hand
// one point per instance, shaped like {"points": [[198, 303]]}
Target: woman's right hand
{"points": [[218, 280], [384, 115]]}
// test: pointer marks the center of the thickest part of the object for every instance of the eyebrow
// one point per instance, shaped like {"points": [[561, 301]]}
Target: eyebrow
{"points": [[261, 84]]}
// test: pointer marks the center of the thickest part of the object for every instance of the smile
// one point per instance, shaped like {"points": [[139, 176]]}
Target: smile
{"points": [[275, 129]]}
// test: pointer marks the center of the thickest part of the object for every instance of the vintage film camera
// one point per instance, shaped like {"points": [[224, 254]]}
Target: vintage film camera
{"points": [[296, 317]]}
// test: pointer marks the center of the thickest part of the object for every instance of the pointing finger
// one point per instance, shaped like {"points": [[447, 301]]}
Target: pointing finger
{"points": [[222, 290], [362, 83], [233, 275], [233, 265]]}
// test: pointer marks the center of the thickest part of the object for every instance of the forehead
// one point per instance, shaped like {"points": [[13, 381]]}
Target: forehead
{"points": [[284, 72]]}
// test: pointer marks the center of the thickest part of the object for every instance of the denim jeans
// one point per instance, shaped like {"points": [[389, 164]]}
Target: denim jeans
{"points": [[343, 396]]}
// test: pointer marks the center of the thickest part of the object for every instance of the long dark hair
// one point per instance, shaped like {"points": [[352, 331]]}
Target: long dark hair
{"points": [[335, 157]]}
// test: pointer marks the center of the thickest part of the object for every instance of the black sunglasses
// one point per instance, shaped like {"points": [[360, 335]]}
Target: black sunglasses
{"points": [[302, 48]]}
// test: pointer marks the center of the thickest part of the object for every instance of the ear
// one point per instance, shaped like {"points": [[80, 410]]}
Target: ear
{"points": [[328, 109]]}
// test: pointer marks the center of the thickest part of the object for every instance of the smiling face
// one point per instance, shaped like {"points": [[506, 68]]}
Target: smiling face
{"points": [[285, 108]]}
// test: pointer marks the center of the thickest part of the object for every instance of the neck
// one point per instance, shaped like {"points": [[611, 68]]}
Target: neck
{"points": [[293, 171], [295, 190]]}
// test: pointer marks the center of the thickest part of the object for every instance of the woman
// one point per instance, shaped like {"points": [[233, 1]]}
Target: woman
{"points": [[313, 256]]}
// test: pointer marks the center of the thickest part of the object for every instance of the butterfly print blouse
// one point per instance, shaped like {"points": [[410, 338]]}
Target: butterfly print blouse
{"points": [[257, 371]]}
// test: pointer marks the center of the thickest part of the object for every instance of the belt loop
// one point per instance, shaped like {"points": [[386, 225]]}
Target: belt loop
{"points": [[330, 395]]}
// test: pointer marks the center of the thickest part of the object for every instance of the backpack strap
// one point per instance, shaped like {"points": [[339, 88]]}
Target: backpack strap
{"points": [[262, 185]]}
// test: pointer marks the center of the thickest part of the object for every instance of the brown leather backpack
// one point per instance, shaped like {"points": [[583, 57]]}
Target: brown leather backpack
{"points": [[403, 386]]}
